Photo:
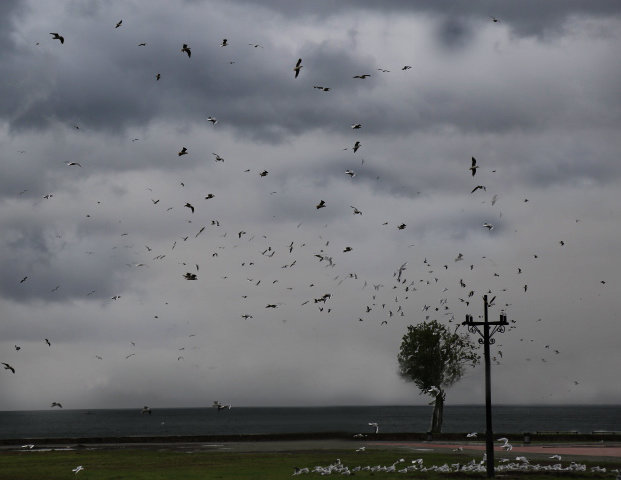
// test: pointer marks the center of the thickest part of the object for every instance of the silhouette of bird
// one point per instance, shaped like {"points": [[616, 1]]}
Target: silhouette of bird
{"points": [[183, 151], [362, 77], [321, 204], [118, 24], [190, 276], [57, 37], [186, 49], [157, 76], [224, 43], [213, 120], [375, 425], [190, 206], [56, 404], [49, 344], [482, 187], [356, 126], [298, 67], [218, 157], [73, 164], [474, 166], [356, 146], [8, 367]]}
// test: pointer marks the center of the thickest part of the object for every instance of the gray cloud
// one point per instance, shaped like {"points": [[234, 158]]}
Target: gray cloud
{"points": [[534, 97]]}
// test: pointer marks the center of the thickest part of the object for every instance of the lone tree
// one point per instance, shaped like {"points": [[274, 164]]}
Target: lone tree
{"points": [[434, 359]]}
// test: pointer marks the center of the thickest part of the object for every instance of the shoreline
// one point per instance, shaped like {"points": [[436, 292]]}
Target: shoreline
{"points": [[526, 438]]}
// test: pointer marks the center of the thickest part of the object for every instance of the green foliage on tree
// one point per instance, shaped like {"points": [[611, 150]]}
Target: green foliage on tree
{"points": [[434, 359]]}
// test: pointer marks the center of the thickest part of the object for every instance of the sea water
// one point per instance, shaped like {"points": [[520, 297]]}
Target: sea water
{"points": [[59, 423]]}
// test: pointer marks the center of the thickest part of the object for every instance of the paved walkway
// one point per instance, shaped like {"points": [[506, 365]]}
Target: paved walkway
{"points": [[570, 450]]}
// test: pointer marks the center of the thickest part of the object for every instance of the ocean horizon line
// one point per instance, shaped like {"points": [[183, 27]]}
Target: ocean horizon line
{"points": [[396, 405]]}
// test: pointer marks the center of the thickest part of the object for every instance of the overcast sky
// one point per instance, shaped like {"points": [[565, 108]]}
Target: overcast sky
{"points": [[93, 256]]}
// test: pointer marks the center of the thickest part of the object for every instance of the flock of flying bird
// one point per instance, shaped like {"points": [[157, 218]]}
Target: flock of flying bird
{"points": [[386, 300]]}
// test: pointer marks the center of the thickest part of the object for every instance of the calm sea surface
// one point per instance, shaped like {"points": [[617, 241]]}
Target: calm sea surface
{"points": [[246, 420]]}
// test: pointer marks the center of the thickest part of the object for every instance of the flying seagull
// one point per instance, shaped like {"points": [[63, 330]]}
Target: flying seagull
{"points": [[376, 425], [489, 226], [190, 206], [224, 43], [73, 164], [56, 404], [362, 77], [356, 211], [186, 49], [118, 24], [212, 120], [474, 166], [298, 67], [183, 151], [8, 367], [57, 37], [356, 126], [218, 157], [190, 276], [356, 146], [321, 204]]}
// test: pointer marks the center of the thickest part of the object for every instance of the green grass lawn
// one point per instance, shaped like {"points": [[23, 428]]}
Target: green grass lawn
{"points": [[152, 464]]}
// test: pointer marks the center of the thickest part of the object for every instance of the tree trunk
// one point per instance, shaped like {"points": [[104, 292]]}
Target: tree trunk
{"points": [[438, 413]]}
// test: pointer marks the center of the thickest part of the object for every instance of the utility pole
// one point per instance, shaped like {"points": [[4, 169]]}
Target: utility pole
{"points": [[487, 340]]}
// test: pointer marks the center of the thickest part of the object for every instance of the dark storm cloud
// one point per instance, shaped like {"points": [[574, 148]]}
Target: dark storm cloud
{"points": [[533, 97], [527, 17]]}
